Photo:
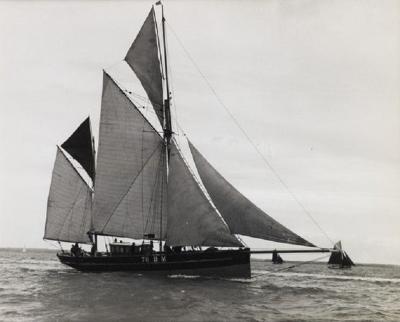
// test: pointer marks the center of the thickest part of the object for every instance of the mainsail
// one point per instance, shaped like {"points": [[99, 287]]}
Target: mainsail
{"points": [[192, 220], [80, 146], [69, 204], [241, 215], [130, 169], [143, 58]]}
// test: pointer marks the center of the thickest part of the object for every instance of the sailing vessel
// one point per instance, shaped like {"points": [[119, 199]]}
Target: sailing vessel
{"points": [[339, 258], [143, 187]]}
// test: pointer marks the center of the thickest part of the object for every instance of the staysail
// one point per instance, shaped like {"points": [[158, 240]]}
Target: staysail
{"points": [[143, 58], [192, 220], [80, 146], [69, 204], [241, 215], [130, 169]]}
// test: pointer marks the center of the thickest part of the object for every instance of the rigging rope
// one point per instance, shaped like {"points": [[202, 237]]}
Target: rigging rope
{"points": [[153, 198], [290, 267], [201, 186], [264, 159], [51, 243], [302, 263], [129, 187]]}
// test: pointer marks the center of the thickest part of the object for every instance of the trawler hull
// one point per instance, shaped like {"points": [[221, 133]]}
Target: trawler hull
{"points": [[221, 263]]}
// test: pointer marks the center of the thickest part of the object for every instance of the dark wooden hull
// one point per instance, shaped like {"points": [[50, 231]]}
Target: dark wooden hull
{"points": [[222, 263]]}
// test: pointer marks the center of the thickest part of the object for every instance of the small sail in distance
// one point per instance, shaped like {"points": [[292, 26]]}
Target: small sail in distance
{"points": [[339, 258]]}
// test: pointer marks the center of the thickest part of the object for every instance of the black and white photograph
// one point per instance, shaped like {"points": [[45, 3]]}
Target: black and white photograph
{"points": [[200, 160]]}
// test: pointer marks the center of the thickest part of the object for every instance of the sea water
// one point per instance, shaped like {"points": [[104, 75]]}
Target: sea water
{"points": [[34, 286]]}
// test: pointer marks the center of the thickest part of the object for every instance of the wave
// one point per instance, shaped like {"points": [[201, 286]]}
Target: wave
{"points": [[330, 277], [293, 289], [184, 276]]}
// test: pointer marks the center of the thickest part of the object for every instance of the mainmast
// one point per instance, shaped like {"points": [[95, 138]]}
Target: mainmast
{"points": [[167, 112], [167, 126]]}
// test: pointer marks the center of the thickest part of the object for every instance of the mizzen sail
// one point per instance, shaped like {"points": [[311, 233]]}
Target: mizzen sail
{"points": [[130, 169], [69, 204], [80, 146], [192, 220], [143, 58], [241, 215]]}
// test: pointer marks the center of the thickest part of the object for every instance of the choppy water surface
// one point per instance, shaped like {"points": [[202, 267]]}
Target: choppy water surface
{"points": [[34, 286]]}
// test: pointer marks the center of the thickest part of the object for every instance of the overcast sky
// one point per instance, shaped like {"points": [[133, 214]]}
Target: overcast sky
{"points": [[315, 84]]}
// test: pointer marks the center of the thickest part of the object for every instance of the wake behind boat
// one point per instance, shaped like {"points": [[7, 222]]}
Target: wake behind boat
{"points": [[143, 186]]}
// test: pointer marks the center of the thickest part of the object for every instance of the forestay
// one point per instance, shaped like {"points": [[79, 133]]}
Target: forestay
{"points": [[69, 204], [130, 169], [80, 146], [143, 58], [192, 220], [241, 215]]}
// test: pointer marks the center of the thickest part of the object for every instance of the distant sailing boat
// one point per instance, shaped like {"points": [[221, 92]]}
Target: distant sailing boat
{"points": [[339, 258], [143, 187]]}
